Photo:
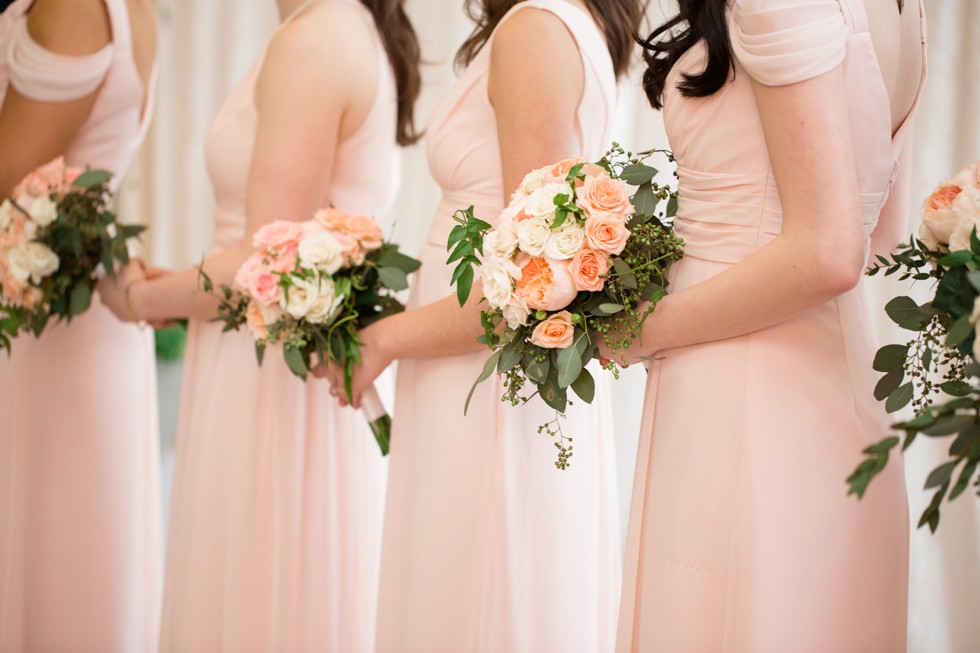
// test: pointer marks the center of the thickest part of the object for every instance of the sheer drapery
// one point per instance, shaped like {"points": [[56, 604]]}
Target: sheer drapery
{"points": [[205, 46]]}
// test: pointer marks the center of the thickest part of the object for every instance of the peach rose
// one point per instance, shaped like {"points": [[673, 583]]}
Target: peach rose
{"points": [[352, 250], [365, 230], [606, 232], [604, 195], [331, 218], [561, 169], [259, 317], [545, 284], [276, 234], [952, 203], [556, 332], [587, 268]]}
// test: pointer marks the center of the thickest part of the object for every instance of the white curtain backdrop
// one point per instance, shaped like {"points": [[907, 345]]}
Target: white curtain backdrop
{"points": [[206, 46]]}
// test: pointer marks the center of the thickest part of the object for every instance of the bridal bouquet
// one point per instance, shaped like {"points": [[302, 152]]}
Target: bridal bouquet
{"points": [[310, 286], [941, 357], [572, 260], [56, 232]]}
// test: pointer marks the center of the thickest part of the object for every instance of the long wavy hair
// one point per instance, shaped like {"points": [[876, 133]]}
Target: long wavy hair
{"points": [[402, 47], [618, 20], [696, 20]]}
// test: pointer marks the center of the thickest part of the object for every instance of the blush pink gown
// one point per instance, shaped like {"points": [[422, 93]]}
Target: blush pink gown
{"points": [[487, 546], [742, 538], [80, 533], [275, 529]]}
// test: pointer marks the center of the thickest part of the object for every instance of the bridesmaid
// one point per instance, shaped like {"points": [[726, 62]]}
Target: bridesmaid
{"points": [[79, 473], [487, 546], [791, 123], [278, 494]]}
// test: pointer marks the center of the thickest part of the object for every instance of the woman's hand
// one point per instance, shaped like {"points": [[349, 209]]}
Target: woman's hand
{"points": [[115, 290], [374, 361]]}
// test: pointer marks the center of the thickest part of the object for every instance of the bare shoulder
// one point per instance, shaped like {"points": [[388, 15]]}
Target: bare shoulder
{"points": [[533, 32], [70, 27], [328, 31]]}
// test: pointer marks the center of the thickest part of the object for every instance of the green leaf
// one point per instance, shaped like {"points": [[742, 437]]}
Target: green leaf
{"points": [[259, 352], [900, 398], [959, 331], [889, 383], [80, 298], [626, 276], [964, 480], [488, 369], [393, 278], [956, 388], [537, 371], [882, 447], [672, 206], [644, 200], [295, 361], [510, 356], [569, 366], [965, 441], [904, 312], [584, 386], [956, 259], [637, 174], [890, 357], [392, 258], [464, 285], [609, 309], [91, 178], [553, 395], [941, 475], [949, 424], [974, 279]]}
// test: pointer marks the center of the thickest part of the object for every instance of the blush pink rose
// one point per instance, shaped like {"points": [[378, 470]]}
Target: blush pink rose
{"points": [[606, 232], [556, 332], [276, 234], [604, 195], [365, 230], [256, 279], [353, 251], [284, 258], [587, 268], [545, 284]]}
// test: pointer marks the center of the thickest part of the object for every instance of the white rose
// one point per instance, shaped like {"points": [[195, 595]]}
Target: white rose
{"points": [[566, 241], [6, 215], [498, 281], [516, 312], [960, 239], [500, 243], [33, 261], [324, 310], [43, 211], [536, 179], [532, 235], [301, 296], [18, 263], [321, 251], [541, 203]]}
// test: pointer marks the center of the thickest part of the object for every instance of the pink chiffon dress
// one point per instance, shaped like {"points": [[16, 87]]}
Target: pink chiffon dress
{"points": [[742, 538], [487, 546], [80, 541], [275, 530]]}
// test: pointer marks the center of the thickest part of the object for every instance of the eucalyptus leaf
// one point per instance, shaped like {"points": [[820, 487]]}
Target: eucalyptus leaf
{"points": [[393, 278], [91, 178], [904, 312], [899, 398], [940, 475], [584, 386], [949, 424], [569, 366], [80, 298], [626, 276], [644, 200], [890, 357], [537, 371], [638, 173], [959, 331], [510, 356], [392, 258], [488, 369], [295, 361]]}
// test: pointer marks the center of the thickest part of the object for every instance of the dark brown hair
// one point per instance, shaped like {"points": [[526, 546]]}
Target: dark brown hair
{"points": [[618, 20], [402, 46]]}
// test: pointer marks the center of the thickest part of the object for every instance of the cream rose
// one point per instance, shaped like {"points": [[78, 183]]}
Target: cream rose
{"points": [[516, 312], [536, 179], [556, 332], [501, 242], [606, 232], [328, 302], [533, 235], [43, 211], [321, 251], [949, 204], [498, 281], [34, 261], [604, 195], [541, 203], [960, 239], [565, 242], [6, 215], [300, 298]]}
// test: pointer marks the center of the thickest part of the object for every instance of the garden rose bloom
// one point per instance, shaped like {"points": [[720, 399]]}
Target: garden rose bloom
{"points": [[498, 281], [365, 230], [556, 332], [587, 268], [301, 296], [604, 195], [331, 218], [561, 169], [565, 242], [952, 202], [535, 180], [276, 234], [533, 235], [43, 262], [516, 312], [322, 252], [606, 232], [545, 284]]}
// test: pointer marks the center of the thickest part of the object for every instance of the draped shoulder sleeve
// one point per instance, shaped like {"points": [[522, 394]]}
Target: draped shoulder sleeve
{"points": [[781, 42], [46, 76]]}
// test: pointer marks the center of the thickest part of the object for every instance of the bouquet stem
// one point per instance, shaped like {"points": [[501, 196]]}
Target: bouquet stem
{"points": [[377, 417]]}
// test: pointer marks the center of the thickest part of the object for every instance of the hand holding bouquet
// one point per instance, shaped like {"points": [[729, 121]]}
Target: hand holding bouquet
{"points": [[573, 260], [308, 289], [55, 233], [942, 356]]}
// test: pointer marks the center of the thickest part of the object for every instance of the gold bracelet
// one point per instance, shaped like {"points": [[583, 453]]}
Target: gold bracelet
{"points": [[133, 317]]}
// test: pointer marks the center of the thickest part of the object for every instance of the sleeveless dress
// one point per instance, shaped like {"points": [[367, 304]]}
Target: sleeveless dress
{"points": [[80, 554], [487, 546], [742, 538], [276, 523]]}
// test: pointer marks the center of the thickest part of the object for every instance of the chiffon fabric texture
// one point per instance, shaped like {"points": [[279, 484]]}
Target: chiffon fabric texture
{"points": [[742, 538], [276, 524], [80, 541], [487, 546]]}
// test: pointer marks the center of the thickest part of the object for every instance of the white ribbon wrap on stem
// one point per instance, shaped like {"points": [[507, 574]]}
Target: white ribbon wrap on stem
{"points": [[371, 405]]}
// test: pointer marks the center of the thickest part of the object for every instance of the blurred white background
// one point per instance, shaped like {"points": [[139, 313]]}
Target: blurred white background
{"points": [[206, 46]]}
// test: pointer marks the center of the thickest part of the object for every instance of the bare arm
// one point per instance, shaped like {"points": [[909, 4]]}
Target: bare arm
{"points": [[304, 102], [33, 132], [820, 252], [535, 111]]}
